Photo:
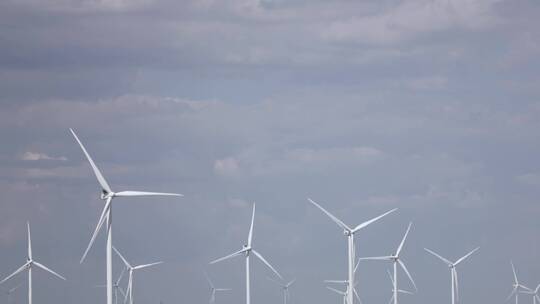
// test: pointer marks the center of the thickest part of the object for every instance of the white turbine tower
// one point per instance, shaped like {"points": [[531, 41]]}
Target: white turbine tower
{"points": [[516, 285], [214, 289], [131, 270], [30, 263], [116, 286], [106, 215], [349, 233], [285, 288], [246, 252], [394, 288], [453, 272], [395, 259]]}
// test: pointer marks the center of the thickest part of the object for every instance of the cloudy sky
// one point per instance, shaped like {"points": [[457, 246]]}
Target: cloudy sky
{"points": [[430, 106]]}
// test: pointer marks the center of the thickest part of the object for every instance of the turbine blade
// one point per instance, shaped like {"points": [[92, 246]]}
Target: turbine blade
{"points": [[23, 267], [390, 276], [123, 259], [465, 256], [97, 173], [407, 272], [146, 265], [47, 269], [391, 299], [29, 242], [143, 193], [364, 224], [337, 281], [356, 266], [250, 235], [405, 291], [336, 291], [208, 280], [121, 291], [514, 290], [223, 289], [357, 296], [102, 218], [403, 240], [121, 275], [381, 258], [514, 272], [291, 283], [239, 252], [266, 262], [128, 290], [440, 257], [335, 219]]}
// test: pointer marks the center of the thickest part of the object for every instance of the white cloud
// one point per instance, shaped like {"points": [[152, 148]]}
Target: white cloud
{"points": [[34, 156], [227, 166]]}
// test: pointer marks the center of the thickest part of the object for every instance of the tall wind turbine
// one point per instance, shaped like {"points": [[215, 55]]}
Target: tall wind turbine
{"points": [[285, 288], [131, 270], [349, 233], [30, 263], [213, 289], [246, 252], [453, 272], [516, 285], [395, 261], [106, 215], [394, 290], [116, 286]]}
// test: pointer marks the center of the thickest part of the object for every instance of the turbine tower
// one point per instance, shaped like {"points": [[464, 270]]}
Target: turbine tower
{"points": [[106, 215], [453, 272], [246, 252], [131, 270], [349, 233], [285, 288], [30, 263], [213, 289], [516, 285], [395, 259]]}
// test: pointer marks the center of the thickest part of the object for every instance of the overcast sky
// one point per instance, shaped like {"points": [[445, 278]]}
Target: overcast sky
{"points": [[432, 107]]}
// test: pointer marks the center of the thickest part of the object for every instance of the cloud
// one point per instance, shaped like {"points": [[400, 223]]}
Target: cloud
{"points": [[35, 156]]}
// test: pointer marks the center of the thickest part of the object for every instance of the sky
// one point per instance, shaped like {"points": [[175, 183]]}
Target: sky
{"points": [[429, 106]]}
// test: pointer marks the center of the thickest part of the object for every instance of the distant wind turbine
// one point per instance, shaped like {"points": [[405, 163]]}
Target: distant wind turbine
{"points": [[346, 292], [453, 272], [213, 289], [285, 288], [116, 286], [534, 293], [395, 259], [516, 285], [30, 263], [106, 215], [246, 252], [349, 233], [9, 292], [131, 270]]}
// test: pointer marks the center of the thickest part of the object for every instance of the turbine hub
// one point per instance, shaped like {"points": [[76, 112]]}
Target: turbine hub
{"points": [[346, 232]]}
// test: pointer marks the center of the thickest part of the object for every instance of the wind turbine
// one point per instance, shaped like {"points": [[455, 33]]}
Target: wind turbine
{"points": [[116, 286], [394, 290], [343, 293], [285, 288], [453, 272], [534, 293], [395, 259], [349, 233], [516, 285], [214, 289], [106, 215], [131, 269], [30, 263], [246, 252], [10, 291]]}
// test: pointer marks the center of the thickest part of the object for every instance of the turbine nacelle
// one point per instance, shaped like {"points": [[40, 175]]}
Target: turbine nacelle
{"points": [[347, 232]]}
